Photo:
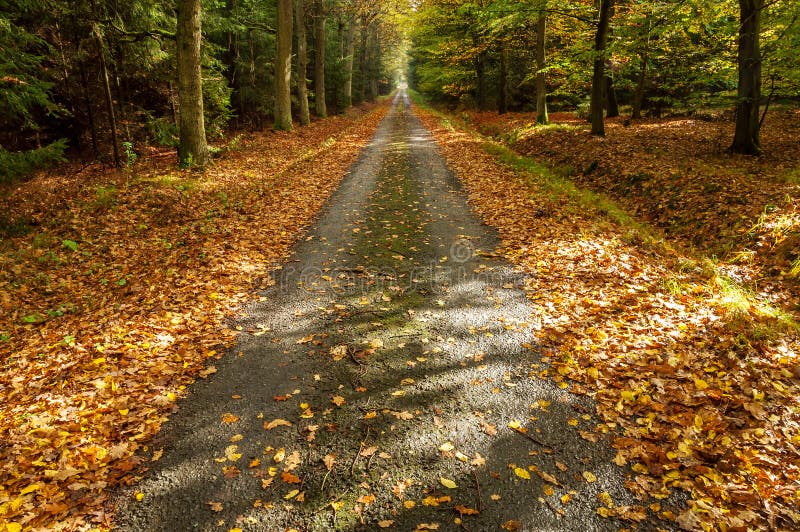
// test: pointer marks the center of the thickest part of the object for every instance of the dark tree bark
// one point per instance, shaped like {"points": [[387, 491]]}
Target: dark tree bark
{"points": [[746, 138], [193, 149], [502, 88], [302, 62], [320, 108], [541, 86], [480, 73], [598, 74], [112, 120], [283, 67], [362, 61]]}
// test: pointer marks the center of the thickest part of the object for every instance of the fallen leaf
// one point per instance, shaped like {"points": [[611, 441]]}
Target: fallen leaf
{"points": [[447, 483], [229, 418], [277, 423]]}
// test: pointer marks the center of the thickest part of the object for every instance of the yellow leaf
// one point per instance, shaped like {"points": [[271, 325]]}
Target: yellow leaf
{"points": [[430, 500], [407, 382], [231, 454], [139, 496], [589, 476], [521, 473], [547, 489], [229, 418], [277, 423], [370, 415], [13, 527], [30, 489], [628, 395], [447, 483], [446, 447], [280, 454], [409, 504], [385, 524], [700, 384], [337, 505], [291, 495], [338, 400], [606, 499]]}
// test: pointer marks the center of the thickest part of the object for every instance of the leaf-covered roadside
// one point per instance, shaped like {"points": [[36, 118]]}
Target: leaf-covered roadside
{"points": [[677, 174], [115, 290], [691, 398]]}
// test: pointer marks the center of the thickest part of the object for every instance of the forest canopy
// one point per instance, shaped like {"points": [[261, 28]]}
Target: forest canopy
{"points": [[100, 79]]}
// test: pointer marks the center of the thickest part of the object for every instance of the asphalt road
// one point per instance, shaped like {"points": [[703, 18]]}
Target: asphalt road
{"points": [[394, 351]]}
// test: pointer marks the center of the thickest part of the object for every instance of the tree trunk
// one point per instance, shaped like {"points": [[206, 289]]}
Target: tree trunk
{"points": [[112, 120], [348, 77], [319, 64], [374, 58], [302, 62], [480, 73], [612, 106], [746, 138], [541, 86], [638, 92], [89, 111], [283, 67], [598, 75], [193, 149], [502, 89], [362, 60]]}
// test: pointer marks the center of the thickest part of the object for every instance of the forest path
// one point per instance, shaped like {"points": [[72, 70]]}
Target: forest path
{"points": [[386, 362]]}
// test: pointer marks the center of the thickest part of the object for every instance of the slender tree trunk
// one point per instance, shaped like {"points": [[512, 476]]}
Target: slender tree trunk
{"points": [[302, 62], [541, 85], [638, 93], [480, 73], [502, 89], [746, 138], [193, 149], [362, 60], [348, 78], [112, 120], [320, 108], [598, 75], [283, 67], [612, 105], [374, 58]]}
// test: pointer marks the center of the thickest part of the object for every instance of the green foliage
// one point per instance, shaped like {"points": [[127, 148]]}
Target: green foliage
{"points": [[14, 165]]}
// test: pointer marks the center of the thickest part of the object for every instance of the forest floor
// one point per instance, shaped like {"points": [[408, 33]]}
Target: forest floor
{"points": [[392, 372]]}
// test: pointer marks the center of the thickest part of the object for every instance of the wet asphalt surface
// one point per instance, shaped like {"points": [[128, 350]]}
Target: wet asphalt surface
{"points": [[394, 350]]}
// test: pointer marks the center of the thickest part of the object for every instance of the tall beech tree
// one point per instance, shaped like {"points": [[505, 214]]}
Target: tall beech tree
{"points": [[598, 74], [746, 138], [283, 67], [320, 40], [302, 63], [193, 149], [541, 51]]}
